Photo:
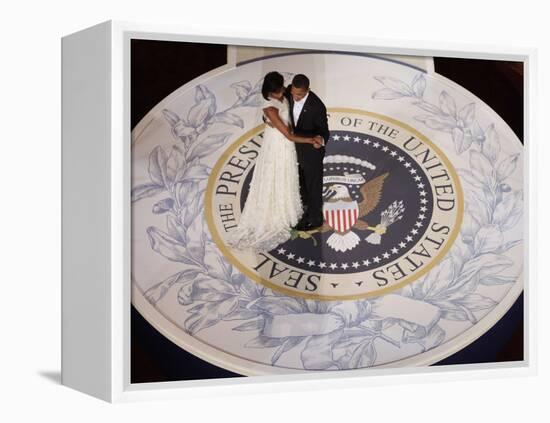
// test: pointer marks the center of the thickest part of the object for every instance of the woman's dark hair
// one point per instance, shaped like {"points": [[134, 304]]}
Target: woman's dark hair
{"points": [[273, 82]]}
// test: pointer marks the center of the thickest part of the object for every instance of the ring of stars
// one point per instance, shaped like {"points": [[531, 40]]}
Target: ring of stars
{"points": [[396, 154]]}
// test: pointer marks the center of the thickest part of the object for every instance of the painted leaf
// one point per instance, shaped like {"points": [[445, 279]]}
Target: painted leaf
{"points": [[242, 88], [317, 353], [507, 167], [209, 145], [447, 104], [277, 305], [207, 288], [467, 114], [200, 112], [264, 342], [424, 105], [516, 212], [386, 94], [257, 324], [145, 190], [491, 146], [163, 206], [482, 169], [167, 246], [158, 291], [289, 343], [157, 166], [419, 85], [229, 118], [488, 239], [439, 123], [395, 85], [195, 239], [171, 117], [363, 356]]}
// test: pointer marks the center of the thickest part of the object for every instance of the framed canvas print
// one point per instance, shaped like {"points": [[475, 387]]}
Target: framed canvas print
{"points": [[260, 210]]}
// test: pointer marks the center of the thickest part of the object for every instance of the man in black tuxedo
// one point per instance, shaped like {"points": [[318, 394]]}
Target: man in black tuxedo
{"points": [[308, 117]]}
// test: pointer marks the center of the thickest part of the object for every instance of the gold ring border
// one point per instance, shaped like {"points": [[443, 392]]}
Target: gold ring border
{"points": [[227, 253]]}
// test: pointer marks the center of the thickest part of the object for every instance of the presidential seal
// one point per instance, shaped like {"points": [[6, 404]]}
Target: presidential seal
{"points": [[392, 205]]}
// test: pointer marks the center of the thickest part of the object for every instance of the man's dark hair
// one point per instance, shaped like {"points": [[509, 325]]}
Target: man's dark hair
{"points": [[273, 82], [301, 81]]}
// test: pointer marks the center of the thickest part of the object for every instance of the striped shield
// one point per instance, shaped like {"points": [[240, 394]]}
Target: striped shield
{"points": [[341, 215]]}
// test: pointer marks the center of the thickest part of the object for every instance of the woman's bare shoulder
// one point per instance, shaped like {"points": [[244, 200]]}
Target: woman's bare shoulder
{"points": [[271, 103]]}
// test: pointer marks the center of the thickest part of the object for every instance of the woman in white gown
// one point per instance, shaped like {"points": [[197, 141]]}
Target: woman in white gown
{"points": [[273, 205]]}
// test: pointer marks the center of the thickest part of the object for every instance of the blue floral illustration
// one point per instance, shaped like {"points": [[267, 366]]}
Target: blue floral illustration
{"points": [[349, 333], [445, 116]]}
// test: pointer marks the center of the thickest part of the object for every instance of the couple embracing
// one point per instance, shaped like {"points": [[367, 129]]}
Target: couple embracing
{"points": [[285, 192]]}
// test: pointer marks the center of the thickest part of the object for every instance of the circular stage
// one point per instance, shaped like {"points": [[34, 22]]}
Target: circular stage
{"points": [[419, 256]]}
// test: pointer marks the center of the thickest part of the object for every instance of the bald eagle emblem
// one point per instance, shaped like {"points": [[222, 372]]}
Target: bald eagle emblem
{"points": [[342, 214]]}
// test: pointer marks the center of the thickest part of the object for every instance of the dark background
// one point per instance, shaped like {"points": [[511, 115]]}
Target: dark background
{"points": [[160, 67]]}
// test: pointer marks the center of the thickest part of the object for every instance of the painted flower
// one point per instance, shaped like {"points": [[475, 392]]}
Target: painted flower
{"points": [[199, 116], [459, 123]]}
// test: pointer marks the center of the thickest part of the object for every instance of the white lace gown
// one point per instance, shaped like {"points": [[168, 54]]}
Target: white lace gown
{"points": [[273, 204]]}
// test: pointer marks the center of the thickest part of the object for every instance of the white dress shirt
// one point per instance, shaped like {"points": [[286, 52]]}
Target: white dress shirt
{"points": [[297, 109]]}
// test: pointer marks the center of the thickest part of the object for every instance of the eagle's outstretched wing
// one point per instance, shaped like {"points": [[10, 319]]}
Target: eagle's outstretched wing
{"points": [[371, 191]]}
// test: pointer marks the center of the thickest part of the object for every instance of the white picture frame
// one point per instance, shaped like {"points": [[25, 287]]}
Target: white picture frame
{"points": [[96, 232]]}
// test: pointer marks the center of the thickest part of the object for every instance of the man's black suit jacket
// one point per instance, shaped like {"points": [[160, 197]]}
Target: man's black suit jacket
{"points": [[313, 118]]}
